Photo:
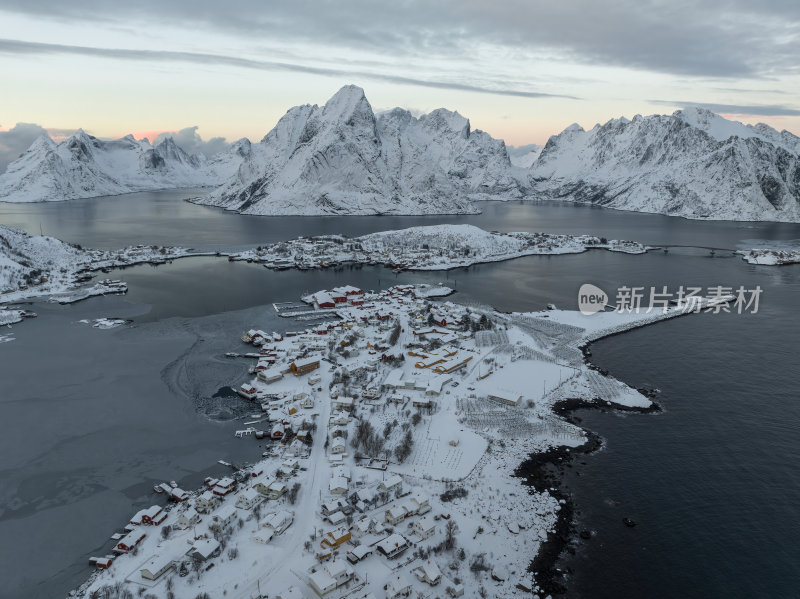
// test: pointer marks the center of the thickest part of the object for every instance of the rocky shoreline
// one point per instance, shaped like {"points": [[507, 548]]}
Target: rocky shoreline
{"points": [[544, 472]]}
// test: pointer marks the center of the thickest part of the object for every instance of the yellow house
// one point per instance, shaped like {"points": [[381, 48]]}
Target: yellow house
{"points": [[335, 538]]}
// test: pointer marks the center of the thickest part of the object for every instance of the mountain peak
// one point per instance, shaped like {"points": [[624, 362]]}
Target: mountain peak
{"points": [[348, 101], [441, 118], [43, 142]]}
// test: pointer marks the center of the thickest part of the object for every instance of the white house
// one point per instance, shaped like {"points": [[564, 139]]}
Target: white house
{"points": [[322, 582], [435, 384], [340, 418], [362, 526], [391, 483], [296, 448], [338, 445], [395, 514], [340, 571], [428, 572], [248, 498], [279, 521], [156, 567], [425, 527], [205, 502], [332, 506], [225, 515], [187, 519], [422, 503]]}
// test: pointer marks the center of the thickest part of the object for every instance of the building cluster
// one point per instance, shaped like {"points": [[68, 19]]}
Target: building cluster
{"points": [[361, 428]]}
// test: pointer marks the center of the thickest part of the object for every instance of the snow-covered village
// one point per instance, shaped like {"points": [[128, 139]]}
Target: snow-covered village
{"points": [[399, 300], [392, 432]]}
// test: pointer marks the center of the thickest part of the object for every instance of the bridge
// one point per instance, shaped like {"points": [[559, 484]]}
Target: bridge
{"points": [[698, 247]]}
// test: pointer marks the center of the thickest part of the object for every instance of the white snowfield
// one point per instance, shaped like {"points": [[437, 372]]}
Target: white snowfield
{"points": [[341, 158], [693, 164], [84, 166], [412, 482]]}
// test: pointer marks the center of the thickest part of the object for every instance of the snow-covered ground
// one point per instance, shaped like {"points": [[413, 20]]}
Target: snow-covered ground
{"points": [[399, 424]]}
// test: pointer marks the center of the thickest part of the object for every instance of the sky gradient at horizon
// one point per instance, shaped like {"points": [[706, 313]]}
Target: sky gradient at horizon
{"points": [[519, 70]]}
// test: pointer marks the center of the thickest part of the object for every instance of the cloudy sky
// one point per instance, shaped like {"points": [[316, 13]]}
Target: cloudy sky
{"points": [[519, 69]]}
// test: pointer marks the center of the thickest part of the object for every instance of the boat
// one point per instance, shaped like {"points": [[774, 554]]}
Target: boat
{"points": [[173, 484], [157, 489]]}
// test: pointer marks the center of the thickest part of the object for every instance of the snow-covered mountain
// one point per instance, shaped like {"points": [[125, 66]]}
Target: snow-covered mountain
{"points": [[694, 164], [84, 166], [341, 158]]}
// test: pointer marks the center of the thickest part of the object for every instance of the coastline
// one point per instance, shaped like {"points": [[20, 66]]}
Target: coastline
{"points": [[544, 471]]}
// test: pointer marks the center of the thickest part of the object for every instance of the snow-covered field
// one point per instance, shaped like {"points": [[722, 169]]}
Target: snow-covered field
{"points": [[396, 430]]}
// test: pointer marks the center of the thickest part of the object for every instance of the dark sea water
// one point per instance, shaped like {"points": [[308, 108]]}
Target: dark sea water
{"points": [[160, 218], [91, 419]]}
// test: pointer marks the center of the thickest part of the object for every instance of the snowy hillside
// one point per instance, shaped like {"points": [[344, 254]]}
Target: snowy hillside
{"points": [[84, 166], [26, 260], [693, 163], [341, 158]]}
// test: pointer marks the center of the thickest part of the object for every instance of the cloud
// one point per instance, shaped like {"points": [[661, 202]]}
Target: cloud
{"points": [[18, 47], [718, 38], [748, 109], [16, 140], [191, 142], [514, 151]]}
